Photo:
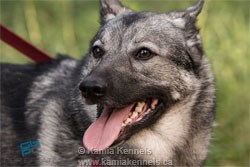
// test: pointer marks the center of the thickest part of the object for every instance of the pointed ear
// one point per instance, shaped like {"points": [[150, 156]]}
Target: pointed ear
{"points": [[188, 16], [186, 20], [110, 9], [195, 10]]}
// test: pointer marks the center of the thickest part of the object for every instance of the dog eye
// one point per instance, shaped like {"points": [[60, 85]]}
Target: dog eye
{"points": [[97, 52], [144, 54]]}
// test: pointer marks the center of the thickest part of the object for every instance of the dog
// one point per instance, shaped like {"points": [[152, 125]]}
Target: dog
{"points": [[143, 95]]}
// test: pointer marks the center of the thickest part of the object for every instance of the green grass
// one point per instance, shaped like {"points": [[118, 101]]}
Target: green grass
{"points": [[67, 26]]}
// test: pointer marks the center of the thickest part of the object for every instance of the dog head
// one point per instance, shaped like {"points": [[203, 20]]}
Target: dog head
{"points": [[139, 64]]}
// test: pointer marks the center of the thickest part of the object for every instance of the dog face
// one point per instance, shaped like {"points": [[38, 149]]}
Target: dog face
{"points": [[139, 64]]}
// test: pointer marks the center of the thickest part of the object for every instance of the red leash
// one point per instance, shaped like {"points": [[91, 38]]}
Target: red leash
{"points": [[23, 46]]}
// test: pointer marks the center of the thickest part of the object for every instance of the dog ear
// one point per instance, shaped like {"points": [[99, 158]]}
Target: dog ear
{"points": [[186, 20], [110, 9], [189, 16], [195, 10]]}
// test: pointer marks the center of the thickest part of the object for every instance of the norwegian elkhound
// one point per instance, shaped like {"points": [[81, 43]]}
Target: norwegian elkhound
{"points": [[142, 95]]}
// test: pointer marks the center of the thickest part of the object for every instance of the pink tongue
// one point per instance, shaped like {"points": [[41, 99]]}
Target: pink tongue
{"points": [[105, 130]]}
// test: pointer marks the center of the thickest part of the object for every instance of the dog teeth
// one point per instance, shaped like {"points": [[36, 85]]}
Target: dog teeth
{"points": [[141, 104], [128, 121], [139, 107], [134, 115]]}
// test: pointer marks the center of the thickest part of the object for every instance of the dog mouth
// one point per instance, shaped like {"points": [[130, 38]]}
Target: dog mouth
{"points": [[114, 124]]}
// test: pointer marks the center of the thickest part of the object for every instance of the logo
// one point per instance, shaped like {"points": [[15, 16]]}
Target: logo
{"points": [[28, 147]]}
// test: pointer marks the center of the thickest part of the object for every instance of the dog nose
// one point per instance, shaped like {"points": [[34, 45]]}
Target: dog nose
{"points": [[93, 90]]}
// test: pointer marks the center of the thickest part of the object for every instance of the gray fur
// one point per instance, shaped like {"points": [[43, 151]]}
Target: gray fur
{"points": [[54, 111]]}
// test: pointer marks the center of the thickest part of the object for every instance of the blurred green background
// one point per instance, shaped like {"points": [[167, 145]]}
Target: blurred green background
{"points": [[66, 26]]}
